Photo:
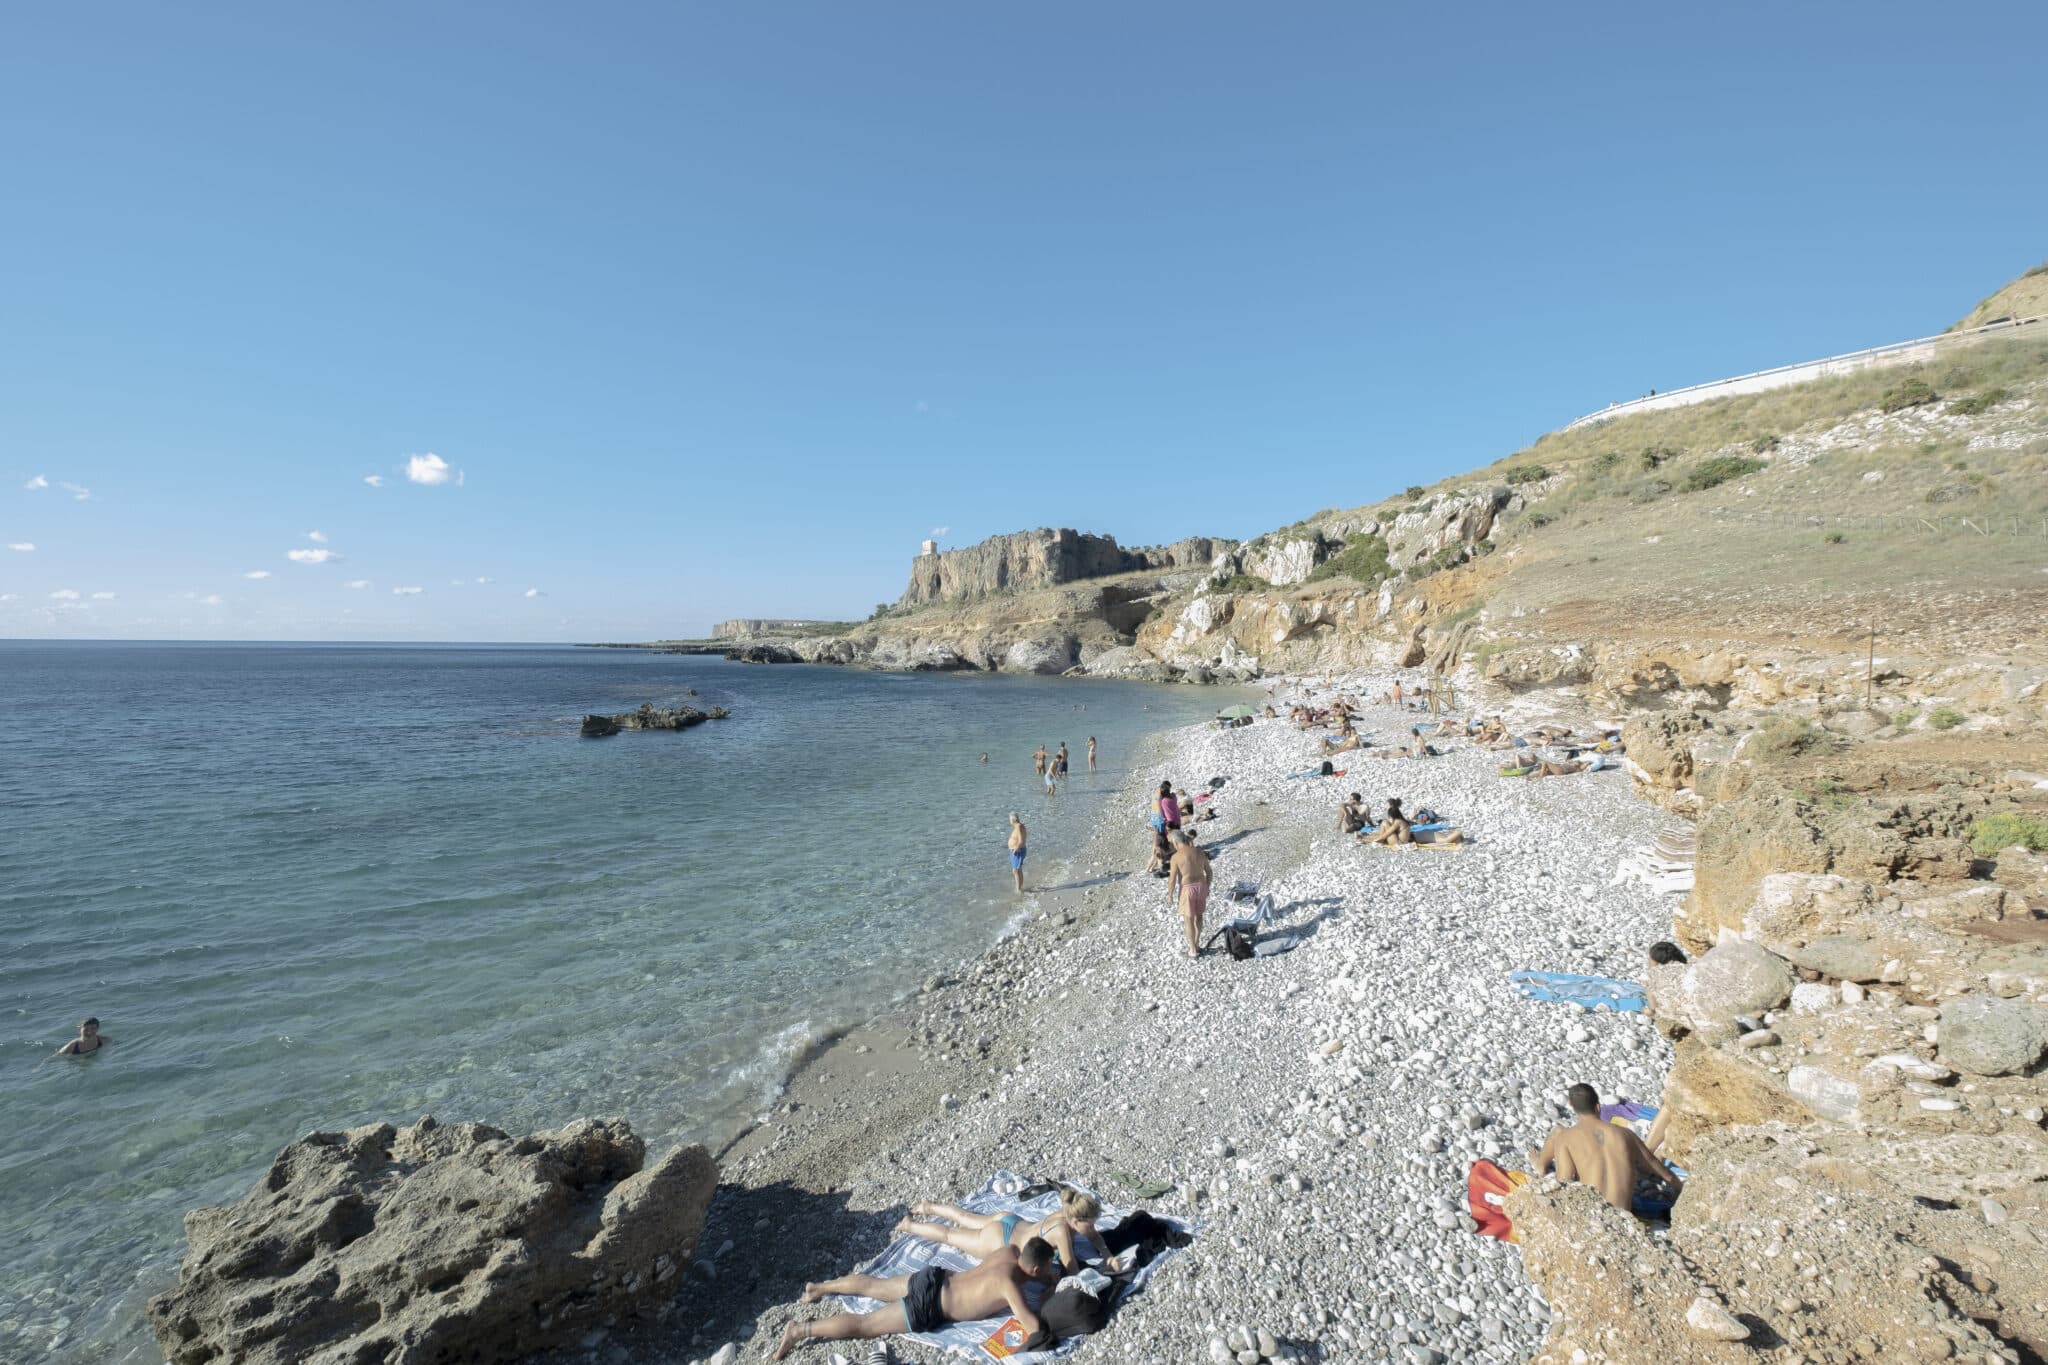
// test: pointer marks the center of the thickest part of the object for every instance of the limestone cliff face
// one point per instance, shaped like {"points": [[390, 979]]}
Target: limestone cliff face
{"points": [[1029, 560]]}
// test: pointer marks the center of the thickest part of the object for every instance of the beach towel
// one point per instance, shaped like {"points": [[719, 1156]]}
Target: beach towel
{"points": [[1594, 992], [986, 1339], [1316, 772], [1486, 1188], [1518, 772]]}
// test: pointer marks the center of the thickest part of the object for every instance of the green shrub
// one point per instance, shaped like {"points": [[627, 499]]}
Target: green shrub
{"points": [[1911, 393], [1763, 445], [1606, 460], [1537, 518], [1789, 737], [1244, 582], [1718, 470], [1834, 537], [1464, 613], [2009, 829], [1976, 403], [1363, 558], [1656, 455], [1527, 473], [1414, 490], [1945, 718]]}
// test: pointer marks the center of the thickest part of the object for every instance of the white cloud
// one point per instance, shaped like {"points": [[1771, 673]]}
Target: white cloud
{"points": [[939, 532], [357, 583], [458, 582], [82, 494], [374, 480], [487, 580], [211, 599], [23, 546], [431, 469], [257, 573], [407, 592], [535, 592], [317, 537], [65, 594], [9, 597], [37, 482], [103, 597], [310, 556]]}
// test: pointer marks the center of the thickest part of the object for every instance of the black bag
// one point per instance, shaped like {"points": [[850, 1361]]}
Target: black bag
{"points": [[1237, 945], [1329, 768]]}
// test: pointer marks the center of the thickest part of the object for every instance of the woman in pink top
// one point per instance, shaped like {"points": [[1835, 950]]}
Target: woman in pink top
{"points": [[1165, 809]]}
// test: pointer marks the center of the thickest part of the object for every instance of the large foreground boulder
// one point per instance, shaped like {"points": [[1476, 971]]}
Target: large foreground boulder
{"points": [[434, 1243]]}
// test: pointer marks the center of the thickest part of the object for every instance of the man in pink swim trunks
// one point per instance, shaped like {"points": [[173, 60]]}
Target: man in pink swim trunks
{"points": [[1187, 885]]}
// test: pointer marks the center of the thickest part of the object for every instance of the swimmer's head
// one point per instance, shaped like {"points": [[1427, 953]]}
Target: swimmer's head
{"points": [[1583, 1099], [89, 1027]]}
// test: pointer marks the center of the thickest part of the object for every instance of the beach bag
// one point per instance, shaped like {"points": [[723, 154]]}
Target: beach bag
{"points": [[1486, 1188], [1329, 768], [1147, 1232], [1237, 945]]}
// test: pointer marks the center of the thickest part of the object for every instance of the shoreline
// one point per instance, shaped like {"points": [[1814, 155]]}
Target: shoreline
{"points": [[1346, 1085]]}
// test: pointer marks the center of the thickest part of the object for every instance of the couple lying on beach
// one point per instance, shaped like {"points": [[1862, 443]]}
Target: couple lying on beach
{"points": [[1355, 817], [1013, 1252]]}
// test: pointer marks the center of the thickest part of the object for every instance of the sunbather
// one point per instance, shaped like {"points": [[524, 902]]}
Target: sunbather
{"points": [[981, 1234], [1393, 827], [930, 1299], [1604, 1155], [1551, 767], [1353, 815], [1333, 744]]}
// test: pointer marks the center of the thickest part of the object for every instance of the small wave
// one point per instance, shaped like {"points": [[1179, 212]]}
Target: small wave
{"points": [[778, 1060]]}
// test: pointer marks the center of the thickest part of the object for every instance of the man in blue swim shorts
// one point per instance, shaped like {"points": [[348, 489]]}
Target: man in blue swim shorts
{"points": [[1017, 837]]}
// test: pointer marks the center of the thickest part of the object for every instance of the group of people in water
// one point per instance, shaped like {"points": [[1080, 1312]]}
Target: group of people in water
{"points": [[1052, 767]]}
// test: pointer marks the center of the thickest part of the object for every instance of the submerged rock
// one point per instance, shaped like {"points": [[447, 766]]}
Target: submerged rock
{"points": [[433, 1243], [650, 717]]}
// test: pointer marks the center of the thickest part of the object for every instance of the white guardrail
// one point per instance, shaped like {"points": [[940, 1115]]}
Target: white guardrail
{"points": [[1898, 353]]}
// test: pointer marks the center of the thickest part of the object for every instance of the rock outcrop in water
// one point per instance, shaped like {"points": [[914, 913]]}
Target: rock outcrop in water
{"points": [[434, 1243], [650, 717]]}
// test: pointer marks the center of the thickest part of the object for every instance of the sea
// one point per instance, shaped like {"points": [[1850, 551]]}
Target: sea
{"points": [[305, 887]]}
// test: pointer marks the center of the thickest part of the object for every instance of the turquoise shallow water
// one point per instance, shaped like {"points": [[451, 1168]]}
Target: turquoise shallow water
{"points": [[305, 887]]}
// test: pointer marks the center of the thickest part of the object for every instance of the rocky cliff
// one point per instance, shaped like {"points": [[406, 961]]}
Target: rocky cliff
{"points": [[1029, 560]]}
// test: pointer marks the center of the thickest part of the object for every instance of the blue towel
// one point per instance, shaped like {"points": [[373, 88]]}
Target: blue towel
{"points": [[1594, 992]]}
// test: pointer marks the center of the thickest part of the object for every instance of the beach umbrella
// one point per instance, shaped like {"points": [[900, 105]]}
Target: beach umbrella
{"points": [[1238, 712]]}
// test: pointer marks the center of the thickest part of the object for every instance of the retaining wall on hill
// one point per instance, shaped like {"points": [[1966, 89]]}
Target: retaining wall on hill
{"points": [[1876, 357]]}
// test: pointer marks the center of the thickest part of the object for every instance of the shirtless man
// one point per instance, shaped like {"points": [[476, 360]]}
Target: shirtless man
{"points": [[1038, 761], [1604, 1155], [1059, 760], [1017, 847], [1091, 753], [930, 1299], [1187, 885], [1353, 815], [87, 1042]]}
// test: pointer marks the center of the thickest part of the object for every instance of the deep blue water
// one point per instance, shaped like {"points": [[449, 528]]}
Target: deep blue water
{"points": [[311, 886]]}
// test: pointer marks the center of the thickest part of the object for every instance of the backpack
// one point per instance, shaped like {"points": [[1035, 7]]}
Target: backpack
{"points": [[1237, 945]]}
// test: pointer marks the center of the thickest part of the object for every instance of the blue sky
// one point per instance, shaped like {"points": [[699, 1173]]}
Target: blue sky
{"points": [[718, 310]]}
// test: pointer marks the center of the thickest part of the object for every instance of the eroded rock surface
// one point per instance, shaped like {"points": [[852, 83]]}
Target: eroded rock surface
{"points": [[434, 1243]]}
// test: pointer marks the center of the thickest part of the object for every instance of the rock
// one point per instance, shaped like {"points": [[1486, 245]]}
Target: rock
{"points": [[598, 727], [1763, 1037], [432, 1243], [1841, 957], [650, 717], [1810, 997], [1711, 1320], [1824, 1093], [1042, 559], [1991, 1037], [1736, 977], [1268, 1345], [1220, 1352], [1994, 1212]]}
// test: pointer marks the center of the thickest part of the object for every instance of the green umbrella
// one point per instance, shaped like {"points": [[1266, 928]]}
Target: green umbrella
{"points": [[1238, 712]]}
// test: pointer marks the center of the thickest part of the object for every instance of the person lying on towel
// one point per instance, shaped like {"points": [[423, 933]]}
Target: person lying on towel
{"points": [[978, 1234], [930, 1299], [1606, 1156]]}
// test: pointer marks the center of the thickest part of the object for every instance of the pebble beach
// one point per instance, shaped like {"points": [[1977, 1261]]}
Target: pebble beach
{"points": [[1314, 1112]]}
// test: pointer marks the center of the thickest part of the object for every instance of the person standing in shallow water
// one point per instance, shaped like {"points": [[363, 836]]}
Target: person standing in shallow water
{"points": [[1091, 753], [1059, 761], [1018, 835], [1039, 761]]}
